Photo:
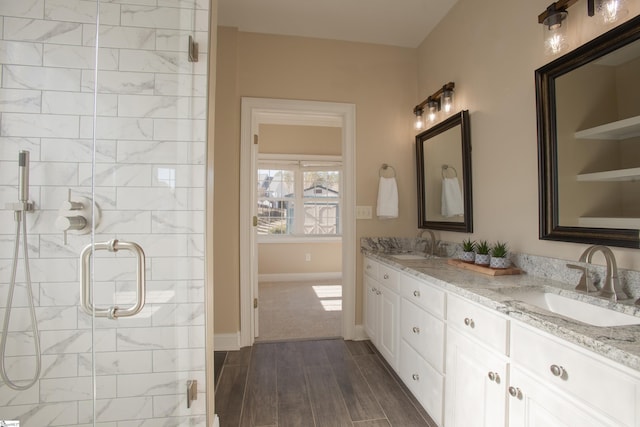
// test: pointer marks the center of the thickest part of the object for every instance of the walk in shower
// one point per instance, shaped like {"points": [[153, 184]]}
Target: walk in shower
{"points": [[106, 100]]}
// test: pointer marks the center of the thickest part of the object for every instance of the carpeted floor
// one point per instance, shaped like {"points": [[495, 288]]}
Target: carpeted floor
{"points": [[300, 310]]}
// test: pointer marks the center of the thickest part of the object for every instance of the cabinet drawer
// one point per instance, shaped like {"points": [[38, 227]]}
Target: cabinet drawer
{"points": [[424, 333], [423, 294], [388, 277], [579, 372], [426, 384], [478, 322], [370, 268]]}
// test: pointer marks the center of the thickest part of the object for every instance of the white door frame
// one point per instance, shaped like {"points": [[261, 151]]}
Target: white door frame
{"points": [[256, 111]]}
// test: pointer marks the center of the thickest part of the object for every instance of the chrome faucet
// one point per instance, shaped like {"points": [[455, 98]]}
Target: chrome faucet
{"points": [[433, 239], [585, 283], [611, 287]]}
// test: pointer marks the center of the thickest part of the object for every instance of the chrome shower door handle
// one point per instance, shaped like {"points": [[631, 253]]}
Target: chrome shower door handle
{"points": [[112, 312]]}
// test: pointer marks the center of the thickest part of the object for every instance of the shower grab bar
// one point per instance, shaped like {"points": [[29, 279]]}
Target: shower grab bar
{"points": [[112, 312]]}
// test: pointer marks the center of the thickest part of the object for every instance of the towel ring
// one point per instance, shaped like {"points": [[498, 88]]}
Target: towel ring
{"points": [[446, 167], [385, 167]]}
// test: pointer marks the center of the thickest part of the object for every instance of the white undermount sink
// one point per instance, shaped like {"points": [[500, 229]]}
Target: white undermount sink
{"points": [[409, 256], [573, 308]]}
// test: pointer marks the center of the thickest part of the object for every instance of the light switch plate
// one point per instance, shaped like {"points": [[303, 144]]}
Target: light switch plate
{"points": [[364, 212]]}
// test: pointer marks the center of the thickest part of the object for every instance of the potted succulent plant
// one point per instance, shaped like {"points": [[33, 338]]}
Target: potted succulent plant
{"points": [[482, 253], [468, 250], [499, 256]]}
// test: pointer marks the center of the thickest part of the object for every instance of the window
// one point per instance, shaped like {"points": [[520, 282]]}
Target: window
{"points": [[298, 198]]}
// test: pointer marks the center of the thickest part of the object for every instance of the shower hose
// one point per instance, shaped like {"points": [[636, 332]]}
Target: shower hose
{"points": [[32, 310]]}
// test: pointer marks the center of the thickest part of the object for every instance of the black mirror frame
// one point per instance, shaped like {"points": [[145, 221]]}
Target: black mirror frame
{"points": [[461, 119], [549, 227]]}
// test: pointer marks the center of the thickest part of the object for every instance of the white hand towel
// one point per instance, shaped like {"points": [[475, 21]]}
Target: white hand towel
{"points": [[452, 204], [387, 198]]}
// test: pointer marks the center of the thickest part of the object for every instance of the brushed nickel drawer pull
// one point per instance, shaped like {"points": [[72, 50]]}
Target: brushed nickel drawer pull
{"points": [[557, 371], [515, 392]]}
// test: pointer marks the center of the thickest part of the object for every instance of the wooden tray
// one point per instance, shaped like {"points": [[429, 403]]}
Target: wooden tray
{"points": [[484, 270]]}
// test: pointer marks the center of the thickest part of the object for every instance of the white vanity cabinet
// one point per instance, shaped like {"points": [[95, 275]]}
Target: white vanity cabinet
{"points": [[494, 371], [476, 365], [382, 309], [559, 383], [422, 343]]}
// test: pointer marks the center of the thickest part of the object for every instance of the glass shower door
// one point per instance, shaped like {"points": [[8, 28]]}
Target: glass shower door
{"points": [[123, 148]]}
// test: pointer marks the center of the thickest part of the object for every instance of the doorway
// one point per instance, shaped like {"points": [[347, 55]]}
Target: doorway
{"points": [[257, 112]]}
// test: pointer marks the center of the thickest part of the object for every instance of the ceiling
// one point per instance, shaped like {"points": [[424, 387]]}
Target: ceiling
{"points": [[403, 23]]}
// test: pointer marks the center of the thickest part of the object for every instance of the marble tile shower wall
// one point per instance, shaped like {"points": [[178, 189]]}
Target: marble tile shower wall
{"points": [[149, 177]]}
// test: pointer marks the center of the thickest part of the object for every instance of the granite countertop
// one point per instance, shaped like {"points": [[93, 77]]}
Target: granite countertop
{"points": [[619, 343]]}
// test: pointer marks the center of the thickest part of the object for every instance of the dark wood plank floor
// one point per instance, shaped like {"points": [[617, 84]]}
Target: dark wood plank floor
{"points": [[320, 383]]}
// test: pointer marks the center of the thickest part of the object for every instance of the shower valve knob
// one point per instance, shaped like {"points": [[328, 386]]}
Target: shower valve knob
{"points": [[71, 206], [66, 223]]}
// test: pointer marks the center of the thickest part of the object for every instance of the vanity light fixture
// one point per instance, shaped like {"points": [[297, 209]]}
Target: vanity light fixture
{"points": [[419, 124], [554, 24], [442, 100], [611, 11]]}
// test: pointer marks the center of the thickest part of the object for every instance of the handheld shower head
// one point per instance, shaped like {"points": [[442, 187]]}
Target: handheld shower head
{"points": [[23, 176]]}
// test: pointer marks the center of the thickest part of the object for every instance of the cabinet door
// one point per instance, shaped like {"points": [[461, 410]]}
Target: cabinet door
{"points": [[425, 383], [371, 308], [389, 328], [533, 403], [475, 384]]}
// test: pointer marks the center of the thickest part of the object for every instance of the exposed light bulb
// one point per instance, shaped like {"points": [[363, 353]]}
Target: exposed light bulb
{"points": [[611, 11], [419, 124], [432, 106], [447, 100]]}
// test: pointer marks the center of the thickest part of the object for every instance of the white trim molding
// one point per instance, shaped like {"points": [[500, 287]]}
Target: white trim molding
{"points": [[359, 334], [299, 277], [226, 342], [256, 111]]}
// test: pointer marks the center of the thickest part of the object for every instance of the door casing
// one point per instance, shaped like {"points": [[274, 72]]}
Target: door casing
{"points": [[257, 111]]}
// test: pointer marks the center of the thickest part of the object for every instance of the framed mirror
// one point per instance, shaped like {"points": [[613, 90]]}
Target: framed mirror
{"points": [[443, 160], [588, 112]]}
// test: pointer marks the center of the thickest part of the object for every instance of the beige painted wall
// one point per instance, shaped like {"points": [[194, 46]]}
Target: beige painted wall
{"points": [[289, 258], [289, 139], [492, 62], [493, 68], [380, 80]]}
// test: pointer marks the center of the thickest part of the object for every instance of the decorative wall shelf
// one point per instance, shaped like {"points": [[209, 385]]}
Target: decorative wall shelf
{"points": [[631, 174], [622, 129]]}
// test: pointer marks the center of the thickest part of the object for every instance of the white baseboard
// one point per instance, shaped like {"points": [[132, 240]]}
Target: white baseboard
{"points": [[226, 342], [359, 334], [299, 277]]}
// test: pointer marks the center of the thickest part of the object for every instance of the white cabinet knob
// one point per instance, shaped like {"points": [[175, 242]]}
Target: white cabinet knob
{"points": [[415, 377], [416, 330], [386, 276], [416, 293], [469, 322]]}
